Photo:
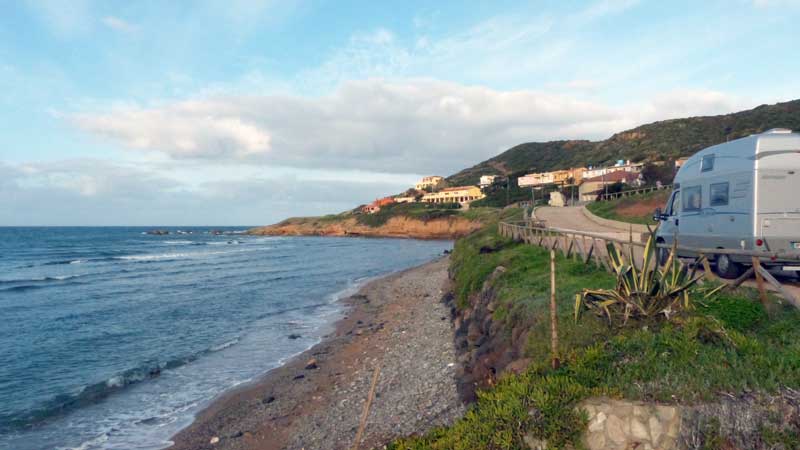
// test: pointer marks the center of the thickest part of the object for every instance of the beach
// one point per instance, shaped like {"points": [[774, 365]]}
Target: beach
{"points": [[398, 325]]}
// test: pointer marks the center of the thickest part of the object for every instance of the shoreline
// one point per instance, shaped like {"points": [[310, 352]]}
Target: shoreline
{"points": [[315, 399]]}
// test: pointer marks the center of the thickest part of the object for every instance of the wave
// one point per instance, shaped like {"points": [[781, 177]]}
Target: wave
{"points": [[180, 242], [94, 393], [40, 279], [62, 262]]}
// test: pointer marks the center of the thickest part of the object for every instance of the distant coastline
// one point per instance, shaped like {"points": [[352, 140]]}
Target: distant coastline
{"points": [[451, 227]]}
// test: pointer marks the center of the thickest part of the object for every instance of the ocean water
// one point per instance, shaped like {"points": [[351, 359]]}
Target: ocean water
{"points": [[111, 338]]}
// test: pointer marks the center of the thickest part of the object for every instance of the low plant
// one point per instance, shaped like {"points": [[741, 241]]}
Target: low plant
{"points": [[648, 292]]}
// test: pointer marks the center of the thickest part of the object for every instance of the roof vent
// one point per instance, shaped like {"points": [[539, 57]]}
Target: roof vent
{"points": [[778, 131]]}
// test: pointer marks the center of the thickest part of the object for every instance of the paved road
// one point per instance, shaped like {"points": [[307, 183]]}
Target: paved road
{"points": [[573, 218]]}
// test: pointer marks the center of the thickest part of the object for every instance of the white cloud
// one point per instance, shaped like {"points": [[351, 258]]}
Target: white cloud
{"points": [[397, 126], [408, 126], [117, 24], [187, 129], [102, 192]]}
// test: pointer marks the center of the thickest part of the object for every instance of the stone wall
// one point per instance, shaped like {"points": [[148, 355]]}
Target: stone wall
{"points": [[735, 422], [618, 424]]}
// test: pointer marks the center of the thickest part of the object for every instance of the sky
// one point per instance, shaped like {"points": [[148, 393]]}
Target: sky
{"points": [[245, 112]]}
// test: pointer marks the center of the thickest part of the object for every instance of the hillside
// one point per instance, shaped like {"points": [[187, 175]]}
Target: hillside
{"points": [[415, 220], [664, 140]]}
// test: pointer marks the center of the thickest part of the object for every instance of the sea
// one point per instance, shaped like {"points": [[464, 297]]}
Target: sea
{"points": [[113, 338]]}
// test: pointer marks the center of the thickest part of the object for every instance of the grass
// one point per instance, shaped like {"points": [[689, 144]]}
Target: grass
{"points": [[725, 345], [616, 209]]}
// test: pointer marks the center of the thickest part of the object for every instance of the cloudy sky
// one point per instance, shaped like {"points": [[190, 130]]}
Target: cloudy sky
{"points": [[243, 112]]}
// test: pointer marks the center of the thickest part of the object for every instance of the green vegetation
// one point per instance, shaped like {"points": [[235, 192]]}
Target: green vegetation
{"points": [[644, 293], [421, 211], [634, 209], [658, 141], [725, 344]]}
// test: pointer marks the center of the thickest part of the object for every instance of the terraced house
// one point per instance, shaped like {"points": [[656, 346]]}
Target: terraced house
{"points": [[461, 194]]}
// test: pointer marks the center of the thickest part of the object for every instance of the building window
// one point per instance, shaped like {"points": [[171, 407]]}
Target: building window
{"points": [[692, 198], [719, 194], [707, 164]]}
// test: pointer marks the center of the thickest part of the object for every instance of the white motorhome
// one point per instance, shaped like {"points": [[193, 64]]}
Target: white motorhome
{"points": [[743, 194]]}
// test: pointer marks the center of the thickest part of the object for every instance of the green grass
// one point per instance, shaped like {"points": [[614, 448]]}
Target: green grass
{"points": [[726, 345], [610, 209]]}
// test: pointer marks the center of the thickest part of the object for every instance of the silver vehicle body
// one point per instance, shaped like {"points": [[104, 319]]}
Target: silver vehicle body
{"points": [[738, 195]]}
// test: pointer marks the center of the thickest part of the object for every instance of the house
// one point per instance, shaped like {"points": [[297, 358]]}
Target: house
{"points": [[487, 180], [560, 176], [592, 187], [428, 182], [620, 166], [376, 206], [576, 173], [680, 161], [462, 194], [535, 179], [405, 199]]}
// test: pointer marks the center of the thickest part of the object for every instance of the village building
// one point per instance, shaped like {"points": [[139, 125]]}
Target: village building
{"points": [[487, 180], [376, 206], [405, 199], [680, 162], [428, 182], [536, 179], [462, 194], [562, 177], [620, 166], [592, 187]]}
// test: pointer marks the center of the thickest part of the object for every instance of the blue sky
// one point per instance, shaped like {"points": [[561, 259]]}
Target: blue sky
{"points": [[245, 111]]}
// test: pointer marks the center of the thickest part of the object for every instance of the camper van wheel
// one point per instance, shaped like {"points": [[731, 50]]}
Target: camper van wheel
{"points": [[662, 253], [727, 268]]}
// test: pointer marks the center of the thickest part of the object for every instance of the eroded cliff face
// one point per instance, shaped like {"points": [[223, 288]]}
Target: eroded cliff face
{"points": [[486, 348], [401, 227]]}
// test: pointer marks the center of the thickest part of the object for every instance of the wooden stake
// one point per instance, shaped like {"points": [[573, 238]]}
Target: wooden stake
{"points": [[762, 291], [553, 316], [364, 414]]}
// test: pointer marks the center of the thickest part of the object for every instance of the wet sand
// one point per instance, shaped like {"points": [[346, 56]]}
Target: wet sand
{"points": [[399, 324]]}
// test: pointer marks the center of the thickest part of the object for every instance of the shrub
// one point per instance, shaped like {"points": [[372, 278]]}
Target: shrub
{"points": [[648, 293]]}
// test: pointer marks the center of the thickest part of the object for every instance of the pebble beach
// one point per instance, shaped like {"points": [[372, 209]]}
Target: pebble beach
{"points": [[397, 329]]}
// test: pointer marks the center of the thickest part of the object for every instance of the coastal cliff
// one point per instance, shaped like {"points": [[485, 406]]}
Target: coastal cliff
{"points": [[450, 227]]}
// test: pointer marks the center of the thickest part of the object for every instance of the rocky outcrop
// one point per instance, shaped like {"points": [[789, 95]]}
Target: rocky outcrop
{"points": [[485, 349], [741, 423], [401, 227]]}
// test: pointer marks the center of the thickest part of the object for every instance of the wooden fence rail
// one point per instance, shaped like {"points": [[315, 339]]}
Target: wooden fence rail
{"points": [[633, 192], [593, 247]]}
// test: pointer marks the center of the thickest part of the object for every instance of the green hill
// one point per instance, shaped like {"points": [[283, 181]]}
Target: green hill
{"points": [[665, 140]]}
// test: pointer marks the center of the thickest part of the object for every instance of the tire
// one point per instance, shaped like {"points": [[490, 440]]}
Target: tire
{"points": [[662, 254], [728, 269]]}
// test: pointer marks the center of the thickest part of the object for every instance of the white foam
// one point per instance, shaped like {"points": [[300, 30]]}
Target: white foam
{"points": [[181, 242]]}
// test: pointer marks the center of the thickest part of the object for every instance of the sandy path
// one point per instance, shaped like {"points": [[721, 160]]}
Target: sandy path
{"points": [[398, 323]]}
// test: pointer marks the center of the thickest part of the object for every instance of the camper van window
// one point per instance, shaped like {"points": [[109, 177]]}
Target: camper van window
{"points": [[719, 194], [674, 204], [707, 163], [692, 198]]}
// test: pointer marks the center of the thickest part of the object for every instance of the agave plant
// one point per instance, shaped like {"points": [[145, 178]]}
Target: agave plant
{"points": [[645, 292]]}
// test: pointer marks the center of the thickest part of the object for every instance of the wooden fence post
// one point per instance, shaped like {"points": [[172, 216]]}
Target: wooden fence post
{"points": [[762, 292], [553, 313]]}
